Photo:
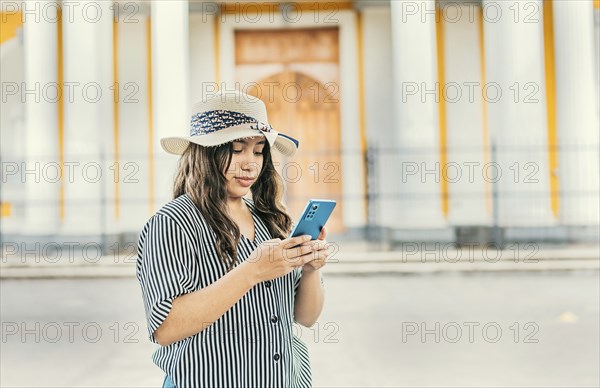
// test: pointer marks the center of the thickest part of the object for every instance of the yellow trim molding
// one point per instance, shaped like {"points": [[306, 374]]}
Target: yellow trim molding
{"points": [[150, 119], [484, 113], [361, 102], [116, 101], [551, 105], [443, 143]]}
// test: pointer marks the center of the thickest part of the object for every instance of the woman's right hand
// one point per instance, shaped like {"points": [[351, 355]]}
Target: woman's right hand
{"points": [[277, 257]]}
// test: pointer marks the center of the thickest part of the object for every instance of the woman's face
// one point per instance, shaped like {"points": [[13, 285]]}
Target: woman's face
{"points": [[246, 164]]}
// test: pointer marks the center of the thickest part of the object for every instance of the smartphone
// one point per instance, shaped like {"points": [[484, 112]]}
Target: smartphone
{"points": [[313, 217]]}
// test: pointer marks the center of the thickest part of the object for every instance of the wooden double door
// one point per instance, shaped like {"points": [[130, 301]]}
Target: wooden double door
{"points": [[296, 73]]}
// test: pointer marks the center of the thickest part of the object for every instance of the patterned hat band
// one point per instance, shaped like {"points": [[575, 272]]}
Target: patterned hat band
{"points": [[215, 120], [225, 117]]}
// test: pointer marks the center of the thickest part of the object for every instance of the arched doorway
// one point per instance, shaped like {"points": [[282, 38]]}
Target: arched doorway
{"points": [[303, 105]]}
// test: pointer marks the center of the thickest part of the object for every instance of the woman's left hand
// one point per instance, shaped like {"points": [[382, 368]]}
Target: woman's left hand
{"points": [[320, 255]]}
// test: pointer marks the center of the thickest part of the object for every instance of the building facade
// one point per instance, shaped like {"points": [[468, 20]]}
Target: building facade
{"points": [[417, 117]]}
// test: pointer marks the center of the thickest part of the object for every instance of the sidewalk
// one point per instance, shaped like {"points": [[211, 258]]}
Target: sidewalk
{"points": [[347, 258]]}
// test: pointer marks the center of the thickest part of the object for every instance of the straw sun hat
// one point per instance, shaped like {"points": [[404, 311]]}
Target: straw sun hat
{"points": [[229, 116]]}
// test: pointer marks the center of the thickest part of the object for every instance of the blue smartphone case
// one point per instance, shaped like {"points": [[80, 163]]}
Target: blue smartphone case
{"points": [[313, 218]]}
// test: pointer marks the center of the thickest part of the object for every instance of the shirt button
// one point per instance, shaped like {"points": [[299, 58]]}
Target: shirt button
{"points": [[276, 357], [268, 283], [274, 318]]}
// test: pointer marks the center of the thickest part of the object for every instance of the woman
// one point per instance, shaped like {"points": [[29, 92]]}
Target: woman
{"points": [[221, 281]]}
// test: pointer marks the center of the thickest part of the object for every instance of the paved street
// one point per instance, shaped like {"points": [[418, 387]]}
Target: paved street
{"points": [[446, 330]]}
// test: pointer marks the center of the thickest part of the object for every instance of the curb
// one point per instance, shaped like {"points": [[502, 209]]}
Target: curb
{"points": [[377, 266]]}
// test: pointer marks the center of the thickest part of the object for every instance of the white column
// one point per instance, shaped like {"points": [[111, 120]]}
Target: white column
{"points": [[42, 182], [202, 42], [170, 74], [88, 58], [576, 101], [468, 144], [515, 90], [134, 116], [412, 169], [351, 158]]}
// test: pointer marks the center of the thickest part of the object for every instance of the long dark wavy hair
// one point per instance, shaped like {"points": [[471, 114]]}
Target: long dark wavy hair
{"points": [[201, 175]]}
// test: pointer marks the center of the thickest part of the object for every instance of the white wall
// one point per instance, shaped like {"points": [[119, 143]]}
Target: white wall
{"points": [[202, 55], [514, 56], [417, 176], [170, 88], [379, 122], [134, 162], [12, 123], [377, 60], [468, 150]]}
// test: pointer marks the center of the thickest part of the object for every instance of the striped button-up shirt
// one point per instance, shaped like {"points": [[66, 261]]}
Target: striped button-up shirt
{"points": [[253, 343]]}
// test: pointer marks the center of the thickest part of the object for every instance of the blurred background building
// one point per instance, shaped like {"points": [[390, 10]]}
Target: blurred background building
{"points": [[436, 121]]}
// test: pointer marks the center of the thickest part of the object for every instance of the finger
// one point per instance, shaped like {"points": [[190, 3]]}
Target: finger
{"points": [[319, 258], [298, 251], [296, 262], [320, 255], [324, 255], [303, 260], [311, 256], [322, 245], [293, 241], [316, 244], [317, 263], [308, 259], [323, 234]]}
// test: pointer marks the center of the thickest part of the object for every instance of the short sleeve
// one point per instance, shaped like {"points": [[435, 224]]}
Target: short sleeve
{"points": [[166, 261]]}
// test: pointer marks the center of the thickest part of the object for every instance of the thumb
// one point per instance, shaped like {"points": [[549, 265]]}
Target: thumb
{"points": [[323, 234]]}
